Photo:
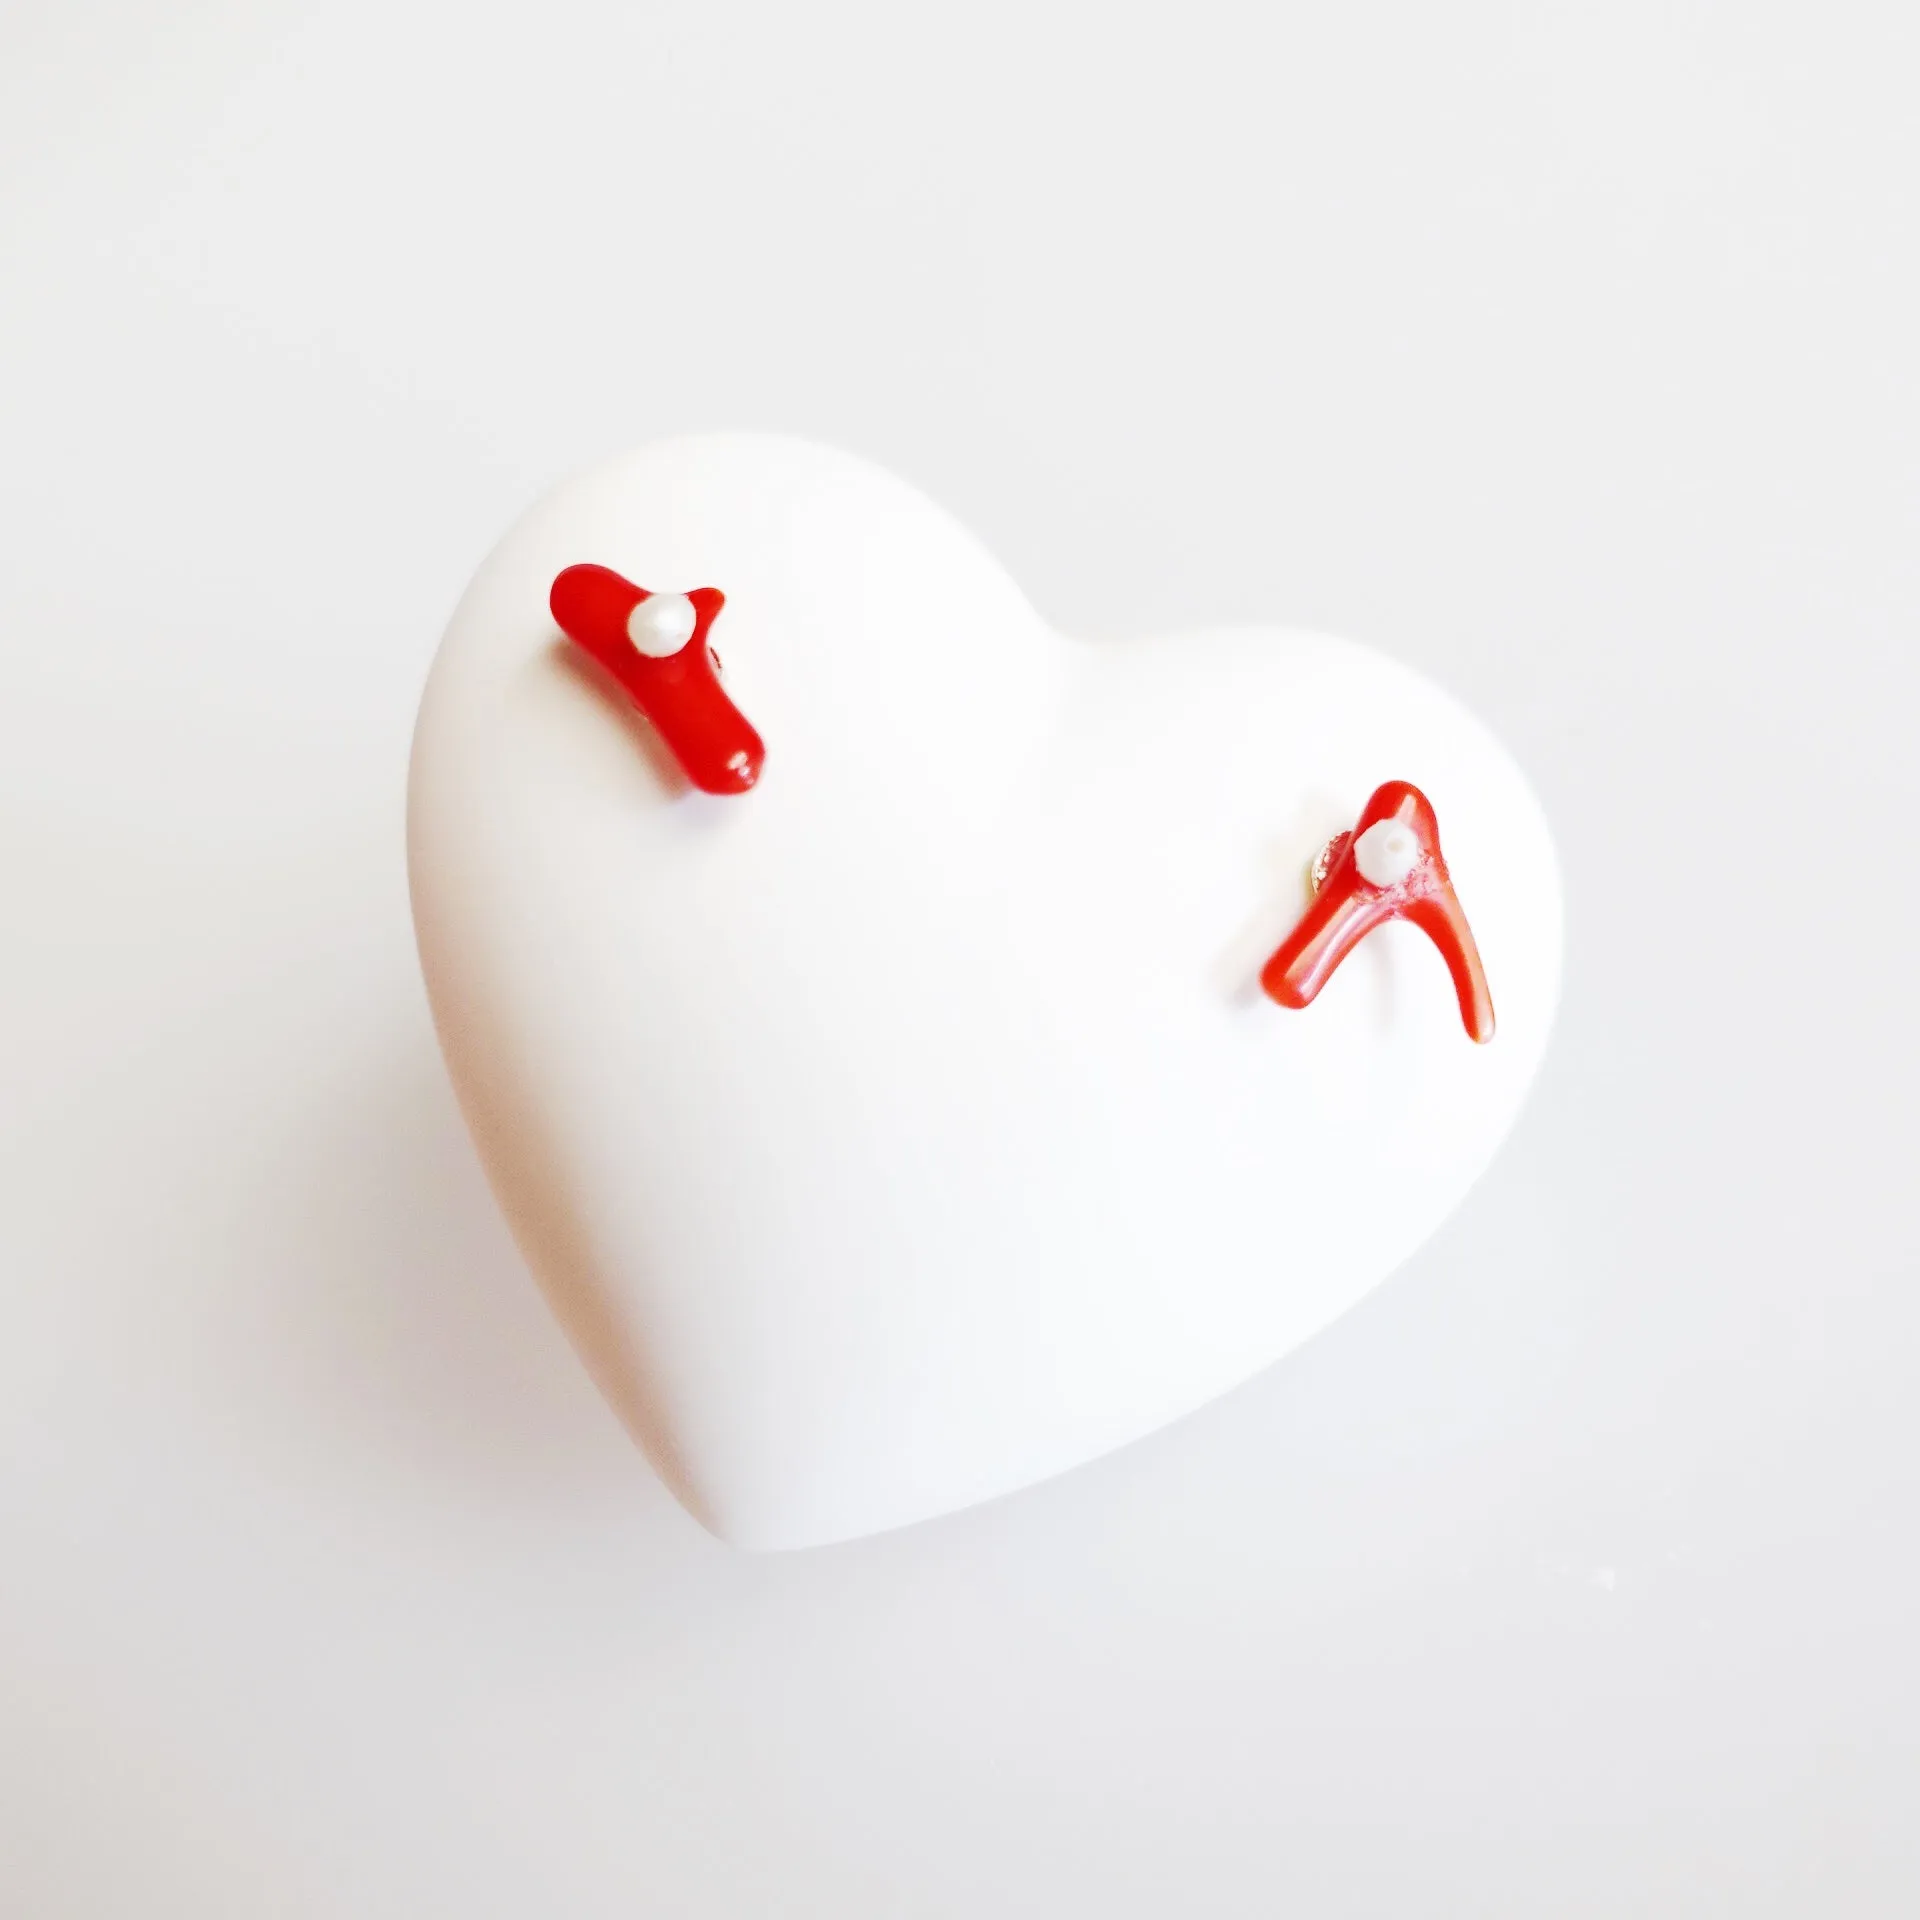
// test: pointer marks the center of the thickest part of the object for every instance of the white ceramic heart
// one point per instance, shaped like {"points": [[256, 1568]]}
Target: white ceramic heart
{"points": [[911, 1127]]}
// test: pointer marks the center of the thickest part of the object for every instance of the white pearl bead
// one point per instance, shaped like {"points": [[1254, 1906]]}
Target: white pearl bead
{"points": [[661, 624], [1386, 853]]}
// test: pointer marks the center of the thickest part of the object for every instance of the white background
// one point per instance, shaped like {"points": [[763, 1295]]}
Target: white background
{"points": [[1566, 351]]}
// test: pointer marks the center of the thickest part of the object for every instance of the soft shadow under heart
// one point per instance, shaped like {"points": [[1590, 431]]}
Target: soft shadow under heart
{"points": [[403, 1318]]}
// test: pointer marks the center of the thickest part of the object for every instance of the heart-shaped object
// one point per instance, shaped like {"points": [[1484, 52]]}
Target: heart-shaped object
{"points": [[913, 1126]]}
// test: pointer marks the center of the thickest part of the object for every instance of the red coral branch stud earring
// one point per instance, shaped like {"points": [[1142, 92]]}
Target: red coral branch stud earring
{"points": [[1389, 867], [655, 645]]}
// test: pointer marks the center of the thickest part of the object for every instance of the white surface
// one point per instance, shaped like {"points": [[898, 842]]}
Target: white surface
{"points": [[1564, 353], [915, 1127]]}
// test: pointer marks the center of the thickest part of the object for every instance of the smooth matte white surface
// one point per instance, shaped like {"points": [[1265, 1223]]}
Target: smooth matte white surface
{"points": [[1564, 353], [914, 1127]]}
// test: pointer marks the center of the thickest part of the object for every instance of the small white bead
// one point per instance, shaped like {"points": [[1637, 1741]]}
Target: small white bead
{"points": [[1386, 853], [661, 624]]}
